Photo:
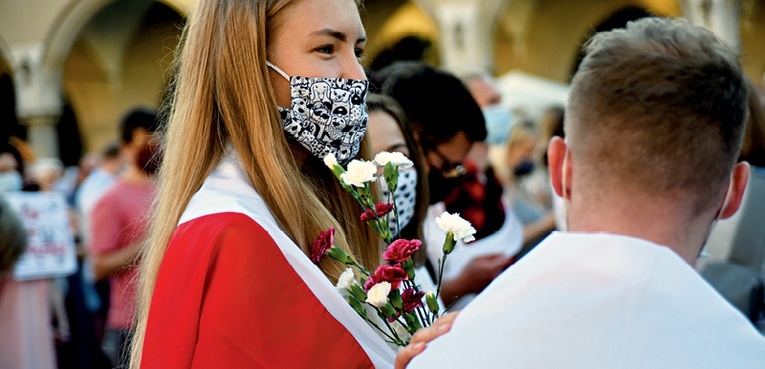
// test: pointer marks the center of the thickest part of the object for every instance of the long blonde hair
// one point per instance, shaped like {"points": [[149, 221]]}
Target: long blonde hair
{"points": [[222, 94]]}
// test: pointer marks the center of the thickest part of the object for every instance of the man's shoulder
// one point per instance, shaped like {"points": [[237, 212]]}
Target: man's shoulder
{"points": [[595, 313]]}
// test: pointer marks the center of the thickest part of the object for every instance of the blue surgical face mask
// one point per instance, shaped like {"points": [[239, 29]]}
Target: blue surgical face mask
{"points": [[498, 120], [10, 181], [327, 115]]}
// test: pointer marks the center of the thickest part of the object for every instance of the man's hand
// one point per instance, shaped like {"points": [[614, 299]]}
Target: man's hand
{"points": [[422, 337]]}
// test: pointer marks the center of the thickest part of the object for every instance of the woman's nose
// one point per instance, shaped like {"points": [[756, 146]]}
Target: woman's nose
{"points": [[352, 69]]}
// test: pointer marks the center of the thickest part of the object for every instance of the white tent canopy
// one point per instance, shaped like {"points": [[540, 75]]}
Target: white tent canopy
{"points": [[523, 92]]}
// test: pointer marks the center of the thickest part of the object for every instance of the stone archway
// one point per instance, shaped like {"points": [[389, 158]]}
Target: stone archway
{"points": [[543, 37], [401, 31], [119, 61]]}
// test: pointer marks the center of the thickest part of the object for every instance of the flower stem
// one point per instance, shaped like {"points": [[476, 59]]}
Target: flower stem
{"points": [[394, 340], [441, 263], [361, 268]]}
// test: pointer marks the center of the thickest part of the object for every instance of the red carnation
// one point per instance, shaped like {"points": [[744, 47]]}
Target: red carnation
{"points": [[401, 250], [322, 243], [412, 299], [381, 209], [392, 274]]}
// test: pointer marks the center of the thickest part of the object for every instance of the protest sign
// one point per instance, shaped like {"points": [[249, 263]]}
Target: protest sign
{"points": [[51, 250]]}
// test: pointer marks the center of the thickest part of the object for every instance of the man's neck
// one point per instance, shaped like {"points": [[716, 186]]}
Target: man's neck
{"points": [[133, 174], [655, 221]]}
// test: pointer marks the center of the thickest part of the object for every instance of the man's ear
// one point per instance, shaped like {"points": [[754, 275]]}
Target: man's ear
{"points": [[556, 156], [735, 195]]}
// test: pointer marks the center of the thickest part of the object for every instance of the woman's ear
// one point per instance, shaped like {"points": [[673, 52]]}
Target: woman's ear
{"points": [[735, 195], [556, 156]]}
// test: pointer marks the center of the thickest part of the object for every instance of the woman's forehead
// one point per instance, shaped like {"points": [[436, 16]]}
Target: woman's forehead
{"points": [[317, 18]]}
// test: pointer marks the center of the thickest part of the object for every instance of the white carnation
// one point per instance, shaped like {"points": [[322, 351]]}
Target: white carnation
{"points": [[396, 158], [330, 161], [358, 173], [378, 294], [460, 228], [346, 280]]}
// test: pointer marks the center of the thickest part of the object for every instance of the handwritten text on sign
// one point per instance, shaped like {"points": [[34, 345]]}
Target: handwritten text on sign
{"points": [[51, 251]]}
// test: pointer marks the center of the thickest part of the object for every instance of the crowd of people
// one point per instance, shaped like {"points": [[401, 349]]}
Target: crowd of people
{"points": [[192, 234]]}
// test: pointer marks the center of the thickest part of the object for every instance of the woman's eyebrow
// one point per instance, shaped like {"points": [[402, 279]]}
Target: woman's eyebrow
{"points": [[342, 36]]}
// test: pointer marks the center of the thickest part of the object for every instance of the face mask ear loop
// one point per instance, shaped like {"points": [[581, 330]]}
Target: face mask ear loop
{"points": [[278, 70]]}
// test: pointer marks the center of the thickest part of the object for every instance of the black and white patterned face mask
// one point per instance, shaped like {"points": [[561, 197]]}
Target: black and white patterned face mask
{"points": [[405, 199], [327, 116]]}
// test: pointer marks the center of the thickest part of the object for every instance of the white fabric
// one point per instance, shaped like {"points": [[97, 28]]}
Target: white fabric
{"points": [[227, 190], [583, 300], [507, 240], [91, 190]]}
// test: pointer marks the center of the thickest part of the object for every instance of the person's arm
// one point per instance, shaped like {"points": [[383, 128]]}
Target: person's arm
{"points": [[475, 277], [106, 227], [109, 263]]}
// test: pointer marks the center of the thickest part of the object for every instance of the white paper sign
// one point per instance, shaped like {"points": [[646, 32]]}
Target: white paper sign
{"points": [[51, 250]]}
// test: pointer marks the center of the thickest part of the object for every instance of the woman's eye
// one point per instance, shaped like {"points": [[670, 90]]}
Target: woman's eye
{"points": [[359, 52], [326, 49]]}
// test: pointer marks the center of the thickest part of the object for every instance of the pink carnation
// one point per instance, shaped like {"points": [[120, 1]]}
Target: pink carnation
{"points": [[381, 209], [392, 274], [412, 299], [401, 250], [322, 243]]}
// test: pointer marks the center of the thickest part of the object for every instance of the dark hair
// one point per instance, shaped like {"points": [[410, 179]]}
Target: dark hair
{"points": [[7, 147], [387, 104], [437, 103], [660, 107], [13, 237], [111, 151], [138, 118], [753, 149]]}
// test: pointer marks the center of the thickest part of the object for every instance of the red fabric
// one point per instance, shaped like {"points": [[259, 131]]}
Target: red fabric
{"points": [[226, 297], [479, 203], [120, 219]]}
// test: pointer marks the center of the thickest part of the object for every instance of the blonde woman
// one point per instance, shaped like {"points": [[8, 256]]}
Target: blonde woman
{"points": [[265, 89]]}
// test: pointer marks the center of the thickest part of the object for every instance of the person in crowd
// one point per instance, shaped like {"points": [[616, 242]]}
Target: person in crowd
{"points": [[26, 336], [483, 87], [521, 160], [733, 260], [388, 131], [264, 91], [119, 223], [653, 127], [46, 172], [488, 193], [720, 243], [95, 185], [446, 121], [101, 178]]}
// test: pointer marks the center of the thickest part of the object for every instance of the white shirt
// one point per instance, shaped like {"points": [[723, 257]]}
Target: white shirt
{"points": [[582, 300], [91, 190]]}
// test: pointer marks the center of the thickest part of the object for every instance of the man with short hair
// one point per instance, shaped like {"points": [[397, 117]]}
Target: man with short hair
{"points": [[120, 221], [654, 126]]}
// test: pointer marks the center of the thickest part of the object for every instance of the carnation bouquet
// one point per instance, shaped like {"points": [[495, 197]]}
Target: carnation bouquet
{"points": [[390, 291]]}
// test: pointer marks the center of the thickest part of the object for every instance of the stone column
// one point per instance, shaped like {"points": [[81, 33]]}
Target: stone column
{"points": [[466, 30], [38, 99], [719, 16]]}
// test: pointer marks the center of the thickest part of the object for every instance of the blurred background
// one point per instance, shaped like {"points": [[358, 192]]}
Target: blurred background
{"points": [[69, 69]]}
